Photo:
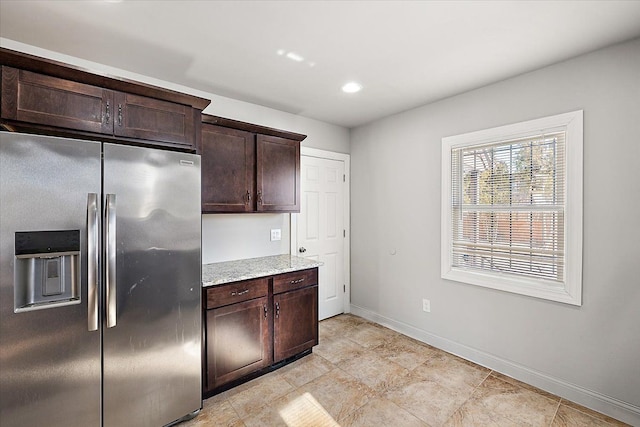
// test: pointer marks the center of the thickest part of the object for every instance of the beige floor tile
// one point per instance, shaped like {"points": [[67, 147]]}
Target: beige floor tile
{"points": [[330, 330], [568, 417], [376, 372], [451, 371], [470, 416], [381, 412], [339, 326], [260, 392], [568, 408], [338, 350], [363, 374], [306, 369], [296, 409], [433, 403], [370, 335], [524, 385], [220, 414], [521, 406], [338, 393], [346, 320], [405, 351]]}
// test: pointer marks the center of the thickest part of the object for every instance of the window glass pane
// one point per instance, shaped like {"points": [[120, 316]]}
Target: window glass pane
{"points": [[508, 206]]}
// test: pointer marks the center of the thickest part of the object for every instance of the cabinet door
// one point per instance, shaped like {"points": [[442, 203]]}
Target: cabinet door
{"points": [[295, 322], [238, 341], [50, 101], [278, 174], [141, 117], [228, 162]]}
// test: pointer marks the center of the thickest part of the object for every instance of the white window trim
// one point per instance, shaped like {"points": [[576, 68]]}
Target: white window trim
{"points": [[570, 291]]}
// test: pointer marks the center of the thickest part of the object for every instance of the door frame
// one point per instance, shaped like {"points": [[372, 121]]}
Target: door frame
{"points": [[293, 226]]}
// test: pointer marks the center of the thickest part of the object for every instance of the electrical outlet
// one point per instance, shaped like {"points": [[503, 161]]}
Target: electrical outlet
{"points": [[276, 234], [426, 305]]}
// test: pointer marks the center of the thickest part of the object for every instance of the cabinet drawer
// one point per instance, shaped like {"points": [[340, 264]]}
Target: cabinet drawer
{"points": [[221, 295], [297, 279]]}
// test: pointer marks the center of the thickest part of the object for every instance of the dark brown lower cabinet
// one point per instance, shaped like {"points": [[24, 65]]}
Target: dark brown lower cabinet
{"points": [[238, 341], [254, 326], [295, 322]]}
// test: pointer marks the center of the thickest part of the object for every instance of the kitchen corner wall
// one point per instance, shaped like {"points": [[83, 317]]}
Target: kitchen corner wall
{"points": [[226, 237], [590, 353]]}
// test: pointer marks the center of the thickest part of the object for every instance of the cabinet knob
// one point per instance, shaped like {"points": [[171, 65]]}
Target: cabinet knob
{"points": [[302, 249]]}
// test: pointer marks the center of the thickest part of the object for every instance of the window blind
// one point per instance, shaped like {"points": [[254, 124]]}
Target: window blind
{"points": [[508, 206]]}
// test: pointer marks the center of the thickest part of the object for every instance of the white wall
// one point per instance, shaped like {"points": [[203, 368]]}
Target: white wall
{"points": [[226, 237], [593, 350]]}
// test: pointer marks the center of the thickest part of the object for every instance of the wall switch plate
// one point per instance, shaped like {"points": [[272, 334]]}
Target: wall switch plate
{"points": [[276, 234], [426, 305]]}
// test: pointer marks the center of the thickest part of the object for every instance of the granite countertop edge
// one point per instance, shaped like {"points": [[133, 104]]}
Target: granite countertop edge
{"points": [[220, 273]]}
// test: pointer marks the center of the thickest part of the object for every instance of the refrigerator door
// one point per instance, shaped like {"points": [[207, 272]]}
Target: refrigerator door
{"points": [[49, 353], [152, 331]]}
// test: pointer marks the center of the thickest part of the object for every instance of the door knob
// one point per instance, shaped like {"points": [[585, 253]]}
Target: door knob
{"points": [[302, 249]]}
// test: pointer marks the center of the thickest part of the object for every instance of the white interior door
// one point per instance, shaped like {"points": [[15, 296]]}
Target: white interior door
{"points": [[320, 228]]}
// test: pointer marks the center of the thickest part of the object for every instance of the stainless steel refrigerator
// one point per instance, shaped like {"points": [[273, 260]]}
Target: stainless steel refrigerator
{"points": [[100, 321]]}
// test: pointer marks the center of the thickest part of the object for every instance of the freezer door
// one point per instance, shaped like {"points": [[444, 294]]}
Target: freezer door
{"points": [[49, 353], [152, 331]]}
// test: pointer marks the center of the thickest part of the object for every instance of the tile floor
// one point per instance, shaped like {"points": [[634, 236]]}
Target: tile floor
{"points": [[362, 374]]}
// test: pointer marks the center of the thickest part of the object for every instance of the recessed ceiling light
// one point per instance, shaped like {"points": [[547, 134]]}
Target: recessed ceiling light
{"points": [[352, 87], [295, 57]]}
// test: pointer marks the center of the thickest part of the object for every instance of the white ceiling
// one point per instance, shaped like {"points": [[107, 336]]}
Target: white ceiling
{"points": [[405, 54]]}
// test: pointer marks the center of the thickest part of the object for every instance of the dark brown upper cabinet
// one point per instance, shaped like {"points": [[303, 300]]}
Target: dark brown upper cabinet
{"points": [[228, 164], [248, 168], [278, 174], [153, 119], [43, 96]]}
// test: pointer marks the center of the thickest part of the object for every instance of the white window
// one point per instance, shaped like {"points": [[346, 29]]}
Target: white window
{"points": [[512, 208]]}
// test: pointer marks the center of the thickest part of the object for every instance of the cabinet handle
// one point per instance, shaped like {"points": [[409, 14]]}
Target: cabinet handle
{"points": [[248, 196], [260, 197], [108, 115], [234, 293], [295, 282], [277, 310], [119, 114], [265, 310]]}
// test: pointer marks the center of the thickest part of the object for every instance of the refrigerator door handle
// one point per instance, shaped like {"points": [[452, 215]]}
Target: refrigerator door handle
{"points": [[92, 261], [110, 258]]}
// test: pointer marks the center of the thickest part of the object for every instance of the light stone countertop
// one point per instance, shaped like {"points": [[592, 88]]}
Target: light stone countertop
{"points": [[219, 273]]}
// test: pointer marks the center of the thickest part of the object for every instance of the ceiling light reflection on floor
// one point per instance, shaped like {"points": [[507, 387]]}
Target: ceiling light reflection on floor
{"points": [[306, 411]]}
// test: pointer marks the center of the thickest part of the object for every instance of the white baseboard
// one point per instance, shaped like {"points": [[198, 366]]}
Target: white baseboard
{"points": [[610, 406]]}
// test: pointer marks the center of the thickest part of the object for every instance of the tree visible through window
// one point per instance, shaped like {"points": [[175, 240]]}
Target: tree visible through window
{"points": [[509, 213], [510, 197]]}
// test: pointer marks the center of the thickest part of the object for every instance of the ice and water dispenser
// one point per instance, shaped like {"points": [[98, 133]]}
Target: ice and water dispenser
{"points": [[47, 269]]}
